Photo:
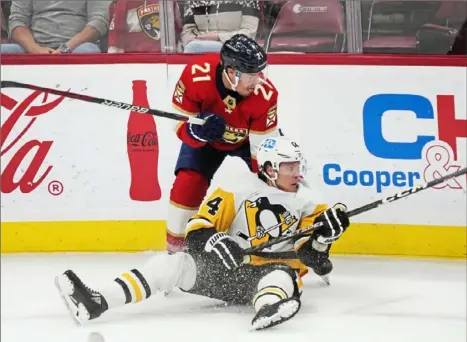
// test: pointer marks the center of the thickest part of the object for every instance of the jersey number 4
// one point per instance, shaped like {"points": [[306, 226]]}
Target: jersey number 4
{"points": [[214, 205]]}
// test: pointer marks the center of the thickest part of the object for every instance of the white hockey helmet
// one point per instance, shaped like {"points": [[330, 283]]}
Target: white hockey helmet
{"points": [[277, 150]]}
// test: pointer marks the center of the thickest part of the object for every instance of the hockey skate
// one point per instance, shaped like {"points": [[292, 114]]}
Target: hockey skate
{"points": [[271, 315], [83, 303], [321, 264], [323, 268]]}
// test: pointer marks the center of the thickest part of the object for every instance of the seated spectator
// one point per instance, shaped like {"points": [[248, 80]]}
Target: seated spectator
{"points": [[56, 26], [207, 24], [135, 26], [3, 28], [4, 14]]}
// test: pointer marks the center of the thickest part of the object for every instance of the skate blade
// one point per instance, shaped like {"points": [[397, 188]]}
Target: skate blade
{"points": [[286, 311], [71, 307], [326, 279]]}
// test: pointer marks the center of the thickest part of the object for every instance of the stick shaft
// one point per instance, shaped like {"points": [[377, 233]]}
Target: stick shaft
{"points": [[359, 210], [104, 102]]}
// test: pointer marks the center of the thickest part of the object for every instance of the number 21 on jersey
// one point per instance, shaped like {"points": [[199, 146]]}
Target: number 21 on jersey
{"points": [[197, 69], [267, 94]]}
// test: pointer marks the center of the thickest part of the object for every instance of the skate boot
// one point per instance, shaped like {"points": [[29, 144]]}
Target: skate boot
{"points": [[277, 313], [83, 303], [320, 262], [323, 268]]}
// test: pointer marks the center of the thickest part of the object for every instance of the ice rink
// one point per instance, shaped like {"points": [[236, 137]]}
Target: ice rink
{"points": [[370, 299]]}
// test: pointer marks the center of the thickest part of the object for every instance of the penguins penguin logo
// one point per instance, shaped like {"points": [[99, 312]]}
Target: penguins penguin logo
{"points": [[267, 220]]}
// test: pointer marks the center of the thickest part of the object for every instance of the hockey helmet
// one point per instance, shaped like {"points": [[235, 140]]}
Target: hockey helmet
{"points": [[277, 150], [243, 54]]}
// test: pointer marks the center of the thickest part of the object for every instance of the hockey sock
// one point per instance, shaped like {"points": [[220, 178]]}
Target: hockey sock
{"points": [[186, 196], [162, 272], [272, 288]]}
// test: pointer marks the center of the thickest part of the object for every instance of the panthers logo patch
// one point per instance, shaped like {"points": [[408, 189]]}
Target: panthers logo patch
{"points": [[148, 17], [233, 135]]}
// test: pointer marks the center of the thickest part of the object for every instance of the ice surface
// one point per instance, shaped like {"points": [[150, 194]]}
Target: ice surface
{"points": [[370, 299]]}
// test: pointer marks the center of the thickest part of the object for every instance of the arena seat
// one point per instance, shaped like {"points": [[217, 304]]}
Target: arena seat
{"points": [[308, 26]]}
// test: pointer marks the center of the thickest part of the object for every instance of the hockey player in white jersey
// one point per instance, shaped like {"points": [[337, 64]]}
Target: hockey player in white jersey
{"points": [[276, 203]]}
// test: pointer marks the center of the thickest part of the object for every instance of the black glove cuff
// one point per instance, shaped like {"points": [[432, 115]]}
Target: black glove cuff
{"points": [[197, 239]]}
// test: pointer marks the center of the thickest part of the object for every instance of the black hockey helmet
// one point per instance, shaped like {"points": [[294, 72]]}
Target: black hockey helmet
{"points": [[243, 54]]}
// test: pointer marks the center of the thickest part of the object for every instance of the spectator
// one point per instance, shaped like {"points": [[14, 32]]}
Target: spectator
{"points": [[3, 28], [135, 26], [4, 14], [57, 26], [207, 24]]}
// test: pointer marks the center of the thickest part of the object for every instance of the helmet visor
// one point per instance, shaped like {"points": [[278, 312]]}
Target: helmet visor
{"points": [[253, 79], [293, 169]]}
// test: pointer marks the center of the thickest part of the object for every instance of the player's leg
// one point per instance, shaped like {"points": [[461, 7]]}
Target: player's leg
{"points": [[194, 171], [320, 263], [162, 272], [273, 289], [277, 297]]}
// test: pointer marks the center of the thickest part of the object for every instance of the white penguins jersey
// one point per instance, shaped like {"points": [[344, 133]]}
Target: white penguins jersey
{"points": [[254, 216]]}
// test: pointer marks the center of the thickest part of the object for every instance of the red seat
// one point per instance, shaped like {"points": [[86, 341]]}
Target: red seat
{"points": [[438, 37], [308, 26], [391, 42], [389, 28]]}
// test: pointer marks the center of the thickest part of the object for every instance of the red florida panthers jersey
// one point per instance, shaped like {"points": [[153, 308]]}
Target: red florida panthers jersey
{"points": [[201, 89]]}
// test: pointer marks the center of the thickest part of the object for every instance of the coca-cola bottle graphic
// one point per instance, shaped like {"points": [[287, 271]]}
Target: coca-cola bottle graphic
{"points": [[143, 149]]}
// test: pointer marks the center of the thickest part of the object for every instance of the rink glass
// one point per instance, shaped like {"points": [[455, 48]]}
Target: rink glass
{"points": [[417, 27]]}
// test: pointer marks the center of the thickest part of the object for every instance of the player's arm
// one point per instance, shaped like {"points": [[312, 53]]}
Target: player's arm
{"points": [[334, 222], [264, 124], [206, 231], [308, 221], [187, 99]]}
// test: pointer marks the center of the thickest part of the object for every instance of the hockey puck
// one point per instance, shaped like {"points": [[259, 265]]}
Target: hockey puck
{"points": [[95, 337]]}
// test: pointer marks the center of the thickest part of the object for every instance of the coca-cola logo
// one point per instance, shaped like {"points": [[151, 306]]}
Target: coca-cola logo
{"points": [[144, 140], [15, 174]]}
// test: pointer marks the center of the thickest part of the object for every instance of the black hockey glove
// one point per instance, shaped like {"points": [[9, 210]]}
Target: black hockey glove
{"points": [[226, 249], [213, 129], [335, 222]]}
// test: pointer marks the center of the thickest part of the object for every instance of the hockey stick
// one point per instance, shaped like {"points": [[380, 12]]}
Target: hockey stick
{"points": [[354, 212], [105, 102]]}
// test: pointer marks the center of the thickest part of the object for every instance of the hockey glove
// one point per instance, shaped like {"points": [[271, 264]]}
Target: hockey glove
{"points": [[213, 129], [226, 249], [335, 222]]}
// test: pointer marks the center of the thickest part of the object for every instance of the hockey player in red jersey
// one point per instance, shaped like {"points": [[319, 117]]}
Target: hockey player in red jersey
{"points": [[231, 92]]}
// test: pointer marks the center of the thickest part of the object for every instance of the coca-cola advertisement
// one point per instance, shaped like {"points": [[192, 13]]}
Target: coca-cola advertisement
{"points": [[143, 149], [67, 159], [23, 158]]}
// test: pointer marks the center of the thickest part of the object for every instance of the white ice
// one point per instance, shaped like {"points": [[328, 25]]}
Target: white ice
{"points": [[370, 299]]}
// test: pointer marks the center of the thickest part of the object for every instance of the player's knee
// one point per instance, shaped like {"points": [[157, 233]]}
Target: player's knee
{"points": [[189, 188], [166, 271], [273, 287]]}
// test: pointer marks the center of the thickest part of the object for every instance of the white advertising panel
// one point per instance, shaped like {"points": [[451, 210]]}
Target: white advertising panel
{"points": [[368, 131]]}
